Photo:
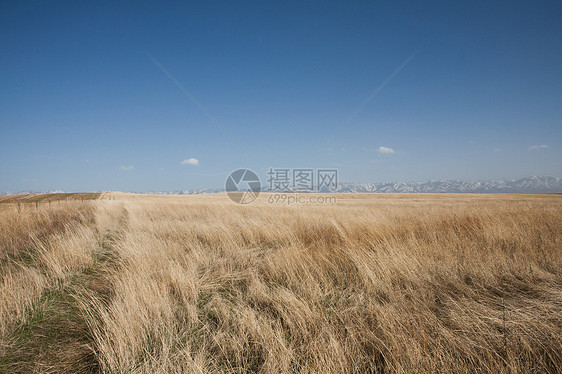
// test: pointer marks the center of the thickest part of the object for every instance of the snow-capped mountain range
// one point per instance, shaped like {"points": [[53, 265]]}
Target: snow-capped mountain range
{"points": [[531, 185], [26, 192], [524, 185]]}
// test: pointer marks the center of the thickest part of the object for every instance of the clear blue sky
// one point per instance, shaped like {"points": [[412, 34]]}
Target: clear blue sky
{"points": [[83, 107]]}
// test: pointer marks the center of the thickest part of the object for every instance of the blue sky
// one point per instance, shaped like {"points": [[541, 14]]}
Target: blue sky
{"points": [[84, 108]]}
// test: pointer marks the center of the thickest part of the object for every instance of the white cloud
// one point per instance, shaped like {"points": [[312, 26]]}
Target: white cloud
{"points": [[538, 146], [385, 150], [127, 168], [191, 161]]}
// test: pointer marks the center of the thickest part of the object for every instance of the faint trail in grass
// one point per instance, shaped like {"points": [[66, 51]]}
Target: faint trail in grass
{"points": [[56, 336]]}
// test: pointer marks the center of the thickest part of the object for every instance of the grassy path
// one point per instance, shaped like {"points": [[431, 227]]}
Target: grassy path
{"points": [[55, 336]]}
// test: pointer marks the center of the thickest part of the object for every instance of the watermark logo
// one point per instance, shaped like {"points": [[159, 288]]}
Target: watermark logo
{"points": [[302, 180], [243, 186], [295, 198], [285, 186]]}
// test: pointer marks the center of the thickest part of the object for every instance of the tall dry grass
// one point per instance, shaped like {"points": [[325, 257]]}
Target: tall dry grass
{"points": [[41, 250], [374, 283]]}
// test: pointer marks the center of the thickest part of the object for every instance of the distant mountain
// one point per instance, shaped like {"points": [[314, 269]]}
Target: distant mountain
{"points": [[187, 192], [27, 192], [531, 185]]}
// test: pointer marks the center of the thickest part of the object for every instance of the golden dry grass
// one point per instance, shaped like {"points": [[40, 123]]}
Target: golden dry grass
{"points": [[374, 283]]}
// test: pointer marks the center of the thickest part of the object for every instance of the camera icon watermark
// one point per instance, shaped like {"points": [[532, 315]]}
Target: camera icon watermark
{"points": [[243, 186]]}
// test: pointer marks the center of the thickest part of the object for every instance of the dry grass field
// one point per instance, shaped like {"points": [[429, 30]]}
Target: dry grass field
{"points": [[373, 283]]}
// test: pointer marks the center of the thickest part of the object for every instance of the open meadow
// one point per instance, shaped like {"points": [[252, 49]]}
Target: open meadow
{"points": [[373, 283]]}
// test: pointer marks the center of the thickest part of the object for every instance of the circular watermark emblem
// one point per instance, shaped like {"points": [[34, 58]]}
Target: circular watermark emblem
{"points": [[242, 186]]}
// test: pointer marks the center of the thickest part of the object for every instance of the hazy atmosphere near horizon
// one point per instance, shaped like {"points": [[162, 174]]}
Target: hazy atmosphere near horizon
{"points": [[139, 96]]}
